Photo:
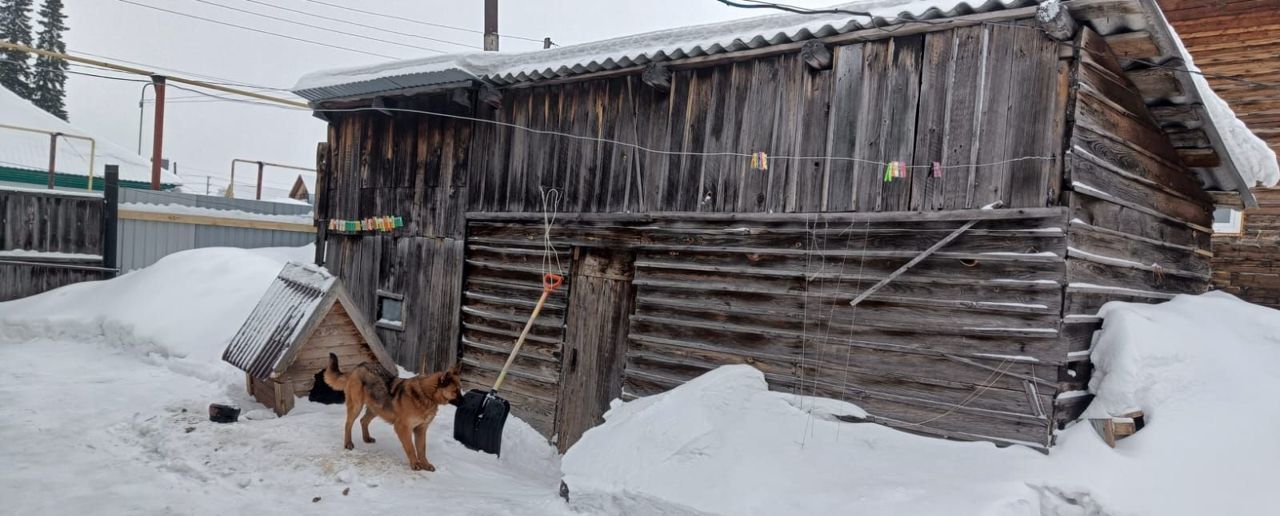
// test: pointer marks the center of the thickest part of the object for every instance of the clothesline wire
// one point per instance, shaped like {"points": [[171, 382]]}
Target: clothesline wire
{"points": [[635, 146]]}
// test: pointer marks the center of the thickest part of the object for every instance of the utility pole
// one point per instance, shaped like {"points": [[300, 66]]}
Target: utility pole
{"points": [[157, 138], [490, 25]]}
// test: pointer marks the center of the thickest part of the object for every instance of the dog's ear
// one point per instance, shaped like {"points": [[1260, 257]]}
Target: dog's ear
{"points": [[448, 377]]}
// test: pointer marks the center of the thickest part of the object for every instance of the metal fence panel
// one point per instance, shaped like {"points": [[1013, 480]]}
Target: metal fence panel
{"points": [[143, 242]]}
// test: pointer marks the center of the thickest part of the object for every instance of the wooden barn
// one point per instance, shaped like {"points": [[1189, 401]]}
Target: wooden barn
{"points": [[853, 259], [284, 344]]}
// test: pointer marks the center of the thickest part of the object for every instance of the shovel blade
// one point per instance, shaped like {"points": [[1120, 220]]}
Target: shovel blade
{"points": [[479, 420]]}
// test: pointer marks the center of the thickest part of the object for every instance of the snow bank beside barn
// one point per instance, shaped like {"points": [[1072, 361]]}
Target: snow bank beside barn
{"points": [[188, 304], [1200, 367], [106, 385]]}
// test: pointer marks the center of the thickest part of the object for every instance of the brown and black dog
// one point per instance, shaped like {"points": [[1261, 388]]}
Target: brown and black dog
{"points": [[409, 404]]}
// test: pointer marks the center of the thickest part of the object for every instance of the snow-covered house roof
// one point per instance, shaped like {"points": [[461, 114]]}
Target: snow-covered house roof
{"points": [[286, 317], [1243, 159], [27, 151]]}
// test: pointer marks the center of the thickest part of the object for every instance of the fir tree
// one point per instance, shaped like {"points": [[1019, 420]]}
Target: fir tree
{"points": [[49, 77], [15, 27]]}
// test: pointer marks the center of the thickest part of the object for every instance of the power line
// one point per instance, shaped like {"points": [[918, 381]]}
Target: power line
{"points": [[124, 79], [357, 24], [419, 22], [304, 24], [213, 79], [260, 31]]}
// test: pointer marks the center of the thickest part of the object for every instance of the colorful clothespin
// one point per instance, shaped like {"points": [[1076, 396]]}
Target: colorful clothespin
{"points": [[937, 169], [399, 222], [759, 161]]}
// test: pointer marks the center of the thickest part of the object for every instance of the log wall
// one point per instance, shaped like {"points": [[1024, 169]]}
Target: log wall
{"points": [[773, 291], [1140, 221], [1248, 264]]}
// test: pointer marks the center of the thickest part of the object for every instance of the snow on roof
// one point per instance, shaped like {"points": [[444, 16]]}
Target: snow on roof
{"points": [[21, 149], [626, 51], [275, 324], [1246, 159], [1255, 162]]}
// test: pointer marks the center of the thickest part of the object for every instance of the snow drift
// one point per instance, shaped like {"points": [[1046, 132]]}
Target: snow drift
{"points": [[1200, 367], [105, 386]]}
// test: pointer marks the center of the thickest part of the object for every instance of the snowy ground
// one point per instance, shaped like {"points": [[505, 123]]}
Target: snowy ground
{"points": [[104, 388], [1202, 368]]}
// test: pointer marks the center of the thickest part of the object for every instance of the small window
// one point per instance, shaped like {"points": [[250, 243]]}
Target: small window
{"points": [[1227, 220], [390, 311]]}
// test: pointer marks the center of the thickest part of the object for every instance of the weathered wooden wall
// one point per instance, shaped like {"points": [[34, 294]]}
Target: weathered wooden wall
{"points": [[773, 292], [1248, 264], [34, 223], [768, 282], [975, 95], [413, 167], [1140, 221]]}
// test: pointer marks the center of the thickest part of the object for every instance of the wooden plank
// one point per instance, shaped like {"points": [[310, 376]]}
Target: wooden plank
{"points": [[925, 254], [205, 220], [846, 107], [595, 342], [967, 79], [899, 132], [1031, 133], [991, 181], [1086, 173], [1133, 45], [805, 178], [756, 131], [935, 96], [877, 75]]}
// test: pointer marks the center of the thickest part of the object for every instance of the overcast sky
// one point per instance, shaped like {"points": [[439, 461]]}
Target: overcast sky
{"points": [[203, 136]]}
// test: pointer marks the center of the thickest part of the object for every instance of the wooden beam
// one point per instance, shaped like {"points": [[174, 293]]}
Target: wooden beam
{"points": [[1133, 45], [816, 54], [1194, 158], [1116, 428], [1056, 21], [205, 220], [1157, 83], [919, 258], [1228, 199], [1190, 116], [1188, 138], [657, 76]]}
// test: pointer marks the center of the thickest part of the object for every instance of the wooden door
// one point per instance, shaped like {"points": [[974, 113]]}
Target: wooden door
{"points": [[595, 340]]}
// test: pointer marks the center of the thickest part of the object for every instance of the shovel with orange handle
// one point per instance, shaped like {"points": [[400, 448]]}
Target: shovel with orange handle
{"points": [[480, 416]]}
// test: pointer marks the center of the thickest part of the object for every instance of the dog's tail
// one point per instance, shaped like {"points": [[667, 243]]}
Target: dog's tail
{"points": [[333, 376]]}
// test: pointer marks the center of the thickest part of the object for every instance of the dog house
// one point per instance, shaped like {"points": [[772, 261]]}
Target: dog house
{"points": [[285, 343]]}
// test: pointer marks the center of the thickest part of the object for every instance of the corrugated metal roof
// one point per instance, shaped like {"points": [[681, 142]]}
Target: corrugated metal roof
{"points": [[1107, 17], [280, 316], [627, 51]]}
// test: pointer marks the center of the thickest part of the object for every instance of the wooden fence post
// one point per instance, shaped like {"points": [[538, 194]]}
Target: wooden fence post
{"points": [[110, 210]]}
